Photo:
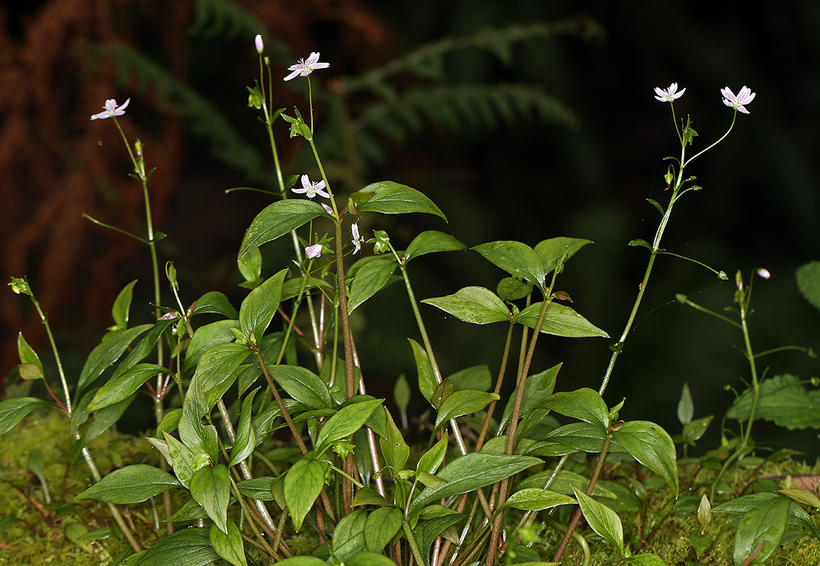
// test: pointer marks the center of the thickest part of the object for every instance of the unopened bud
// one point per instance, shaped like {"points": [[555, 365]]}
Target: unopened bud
{"points": [[260, 45]]}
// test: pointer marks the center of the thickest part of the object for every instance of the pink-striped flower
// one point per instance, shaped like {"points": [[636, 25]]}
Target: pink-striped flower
{"points": [[669, 94], [305, 67], [111, 109], [745, 96]]}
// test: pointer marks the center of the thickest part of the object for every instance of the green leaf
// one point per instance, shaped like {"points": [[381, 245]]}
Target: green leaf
{"points": [[432, 459], [536, 388], [430, 242], [515, 258], [303, 484], [302, 561], [186, 547], [639, 243], [211, 488], [302, 385], [122, 305], [257, 488], [30, 372], [513, 289], [393, 198], [650, 445], [556, 251], [686, 407], [185, 461], [477, 378], [260, 305], [250, 266], [427, 531], [645, 559], [216, 303], [574, 437], [782, 399], [124, 386], [535, 499], [470, 472], [206, 337], [131, 484], [461, 403], [427, 379], [808, 281], [371, 278], [106, 353], [348, 537], [762, 525], [368, 559], [583, 404], [345, 422], [229, 545], [245, 438], [602, 520], [278, 219], [476, 305], [394, 448], [693, 431], [103, 420], [381, 526], [560, 320], [143, 348], [12, 411], [218, 369], [27, 353]]}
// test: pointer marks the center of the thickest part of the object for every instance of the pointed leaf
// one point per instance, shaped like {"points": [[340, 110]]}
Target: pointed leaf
{"points": [[515, 258], [477, 378], [430, 242], [122, 305], [808, 281], [583, 404], [470, 472], [762, 525], [475, 305], [381, 526], [345, 422], [432, 459], [245, 438], [560, 320], [206, 337], [260, 305], [427, 379], [124, 386], [186, 547], [535, 499], [602, 520], [218, 369], [216, 303], [303, 484], [556, 251], [278, 219], [394, 448], [393, 198], [27, 353], [211, 488], [461, 403], [302, 385], [185, 461], [106, 353], [371, 278], [229, 546], [536, 388], [131, 484], [12, 411], [650, 445], [686, 407], [250, 266], [103, 419]]}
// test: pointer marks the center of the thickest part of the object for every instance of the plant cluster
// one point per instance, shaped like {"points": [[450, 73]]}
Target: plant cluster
{"points": [[265, 428]]}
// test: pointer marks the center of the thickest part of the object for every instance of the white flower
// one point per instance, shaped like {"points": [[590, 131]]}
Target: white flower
{"points": [[111, 109], [669, 94], [304, 68], [357, 239], [313, 251], [260, 45], [311, 189], [764, 273], [745, 96]]}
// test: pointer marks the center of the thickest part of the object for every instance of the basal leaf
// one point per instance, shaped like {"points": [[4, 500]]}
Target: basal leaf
{"points": [[762, 525], [186, 547], [211, 488], [12, 411], [393, 198], [476, 305], [229, 545]]}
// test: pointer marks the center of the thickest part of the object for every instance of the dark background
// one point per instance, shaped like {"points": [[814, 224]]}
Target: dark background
{"points": [[586, 175]]}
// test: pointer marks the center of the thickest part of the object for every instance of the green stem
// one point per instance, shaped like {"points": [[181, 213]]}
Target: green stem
{"points": [[414, 547]]}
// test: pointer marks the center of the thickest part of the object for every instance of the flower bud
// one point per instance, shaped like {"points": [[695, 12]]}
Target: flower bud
{"points": [[260, 45]]}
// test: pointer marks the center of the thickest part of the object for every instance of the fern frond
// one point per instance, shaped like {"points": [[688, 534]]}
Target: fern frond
{"points": [[454, 107], [427, 61], [204, 119], [228, 19]]}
